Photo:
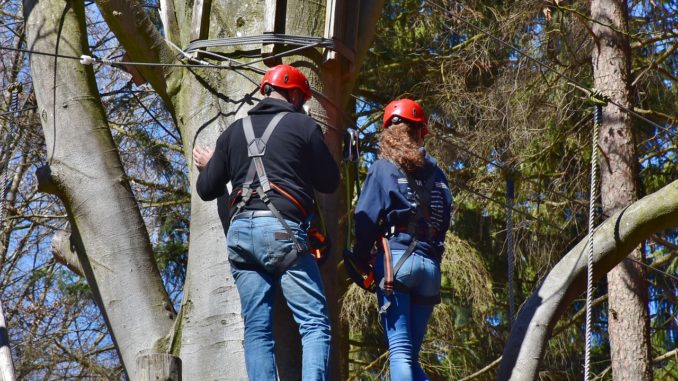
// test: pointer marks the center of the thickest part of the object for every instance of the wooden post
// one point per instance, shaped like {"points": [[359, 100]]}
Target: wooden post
{"points": [[334, 19], [200, 23], [169, 20], [158, 367], [270, 9], [351, 26]]}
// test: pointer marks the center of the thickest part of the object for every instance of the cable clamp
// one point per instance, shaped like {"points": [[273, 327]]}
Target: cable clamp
{"points": [[86, 60]]}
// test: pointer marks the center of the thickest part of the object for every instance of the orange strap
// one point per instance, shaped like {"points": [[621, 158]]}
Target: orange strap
{"points": [[388, 267], [290, 197], [281, 191]]}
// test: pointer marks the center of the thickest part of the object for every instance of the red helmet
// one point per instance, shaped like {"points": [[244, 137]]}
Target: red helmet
{"points": [[406, 109], [286, 77]]}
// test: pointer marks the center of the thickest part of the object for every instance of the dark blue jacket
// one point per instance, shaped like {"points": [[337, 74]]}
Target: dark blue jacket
{"points": [[387, 200]]}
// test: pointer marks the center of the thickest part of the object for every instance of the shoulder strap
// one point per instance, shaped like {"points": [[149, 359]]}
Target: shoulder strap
{"points": [[256, 148]]}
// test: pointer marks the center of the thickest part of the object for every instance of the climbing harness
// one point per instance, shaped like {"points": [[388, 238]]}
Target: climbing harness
{"points": [[593, 195], [256, 148], [418, 228], [319, 242]]}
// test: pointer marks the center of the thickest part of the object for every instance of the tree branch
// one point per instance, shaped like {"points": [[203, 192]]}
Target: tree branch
{"points": [[64, 252], [612, 241], [142, 42]]}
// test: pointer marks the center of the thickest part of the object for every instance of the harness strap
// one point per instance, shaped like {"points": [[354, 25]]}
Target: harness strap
{"points": [[421, 191], [387, 282], [256, 148], [278, 215], [422, 199]]}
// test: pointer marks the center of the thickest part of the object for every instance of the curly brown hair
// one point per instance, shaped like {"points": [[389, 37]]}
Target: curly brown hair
{"points": [[398, 143]]}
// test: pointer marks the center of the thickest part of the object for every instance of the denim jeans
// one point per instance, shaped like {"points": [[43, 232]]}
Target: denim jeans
{"points": [[405, 322], [254, 243]]}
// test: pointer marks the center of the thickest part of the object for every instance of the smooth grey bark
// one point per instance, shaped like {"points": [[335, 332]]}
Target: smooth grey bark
{"points": [[628, 318], [612, 242], [86, 173], [6, 363], [63, 251], [158, 367]]}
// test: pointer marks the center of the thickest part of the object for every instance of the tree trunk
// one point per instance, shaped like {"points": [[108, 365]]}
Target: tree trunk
{"points": [[203, 102], [612, 242], [628, 320], [86, 173], [207, 102], [6, 364]]}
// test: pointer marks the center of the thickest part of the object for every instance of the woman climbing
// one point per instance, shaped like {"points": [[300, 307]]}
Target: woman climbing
{"points": [[405, 209]]}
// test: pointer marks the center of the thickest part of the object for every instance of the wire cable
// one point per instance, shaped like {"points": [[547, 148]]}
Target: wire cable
{"points": [[664, 273], [491, 199], [502, 167], [573, 82]]}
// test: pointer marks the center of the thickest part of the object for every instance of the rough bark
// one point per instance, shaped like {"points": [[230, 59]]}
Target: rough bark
{"points": [[628, 322], [612, 241], [86, 173]]}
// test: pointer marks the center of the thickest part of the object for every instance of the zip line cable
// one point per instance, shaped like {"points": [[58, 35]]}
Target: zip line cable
{"points": [[659, 271], [591, 93], [502, 167], [4, 114], [491, 199], [155, 119]]}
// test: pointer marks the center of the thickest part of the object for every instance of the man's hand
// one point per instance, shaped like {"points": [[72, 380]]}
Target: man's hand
{"points": [[202, 156]]}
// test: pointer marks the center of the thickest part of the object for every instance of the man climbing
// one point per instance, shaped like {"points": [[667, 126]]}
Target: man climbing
{"points": [[274, 158]]}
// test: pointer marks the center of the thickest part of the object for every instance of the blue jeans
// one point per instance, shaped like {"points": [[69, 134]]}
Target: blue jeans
{"points": [[405, 321], [254, 243]]}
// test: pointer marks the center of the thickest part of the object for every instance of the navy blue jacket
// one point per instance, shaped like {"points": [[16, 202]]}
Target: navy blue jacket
{"points": [[387, 200], [297, 159]]}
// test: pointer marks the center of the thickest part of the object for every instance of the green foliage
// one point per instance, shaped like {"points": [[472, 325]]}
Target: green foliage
{"points": [[494, 112]]}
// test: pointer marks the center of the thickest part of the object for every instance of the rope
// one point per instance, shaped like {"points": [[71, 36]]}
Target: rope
{"points": [[597, 119], [510, 188]]}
